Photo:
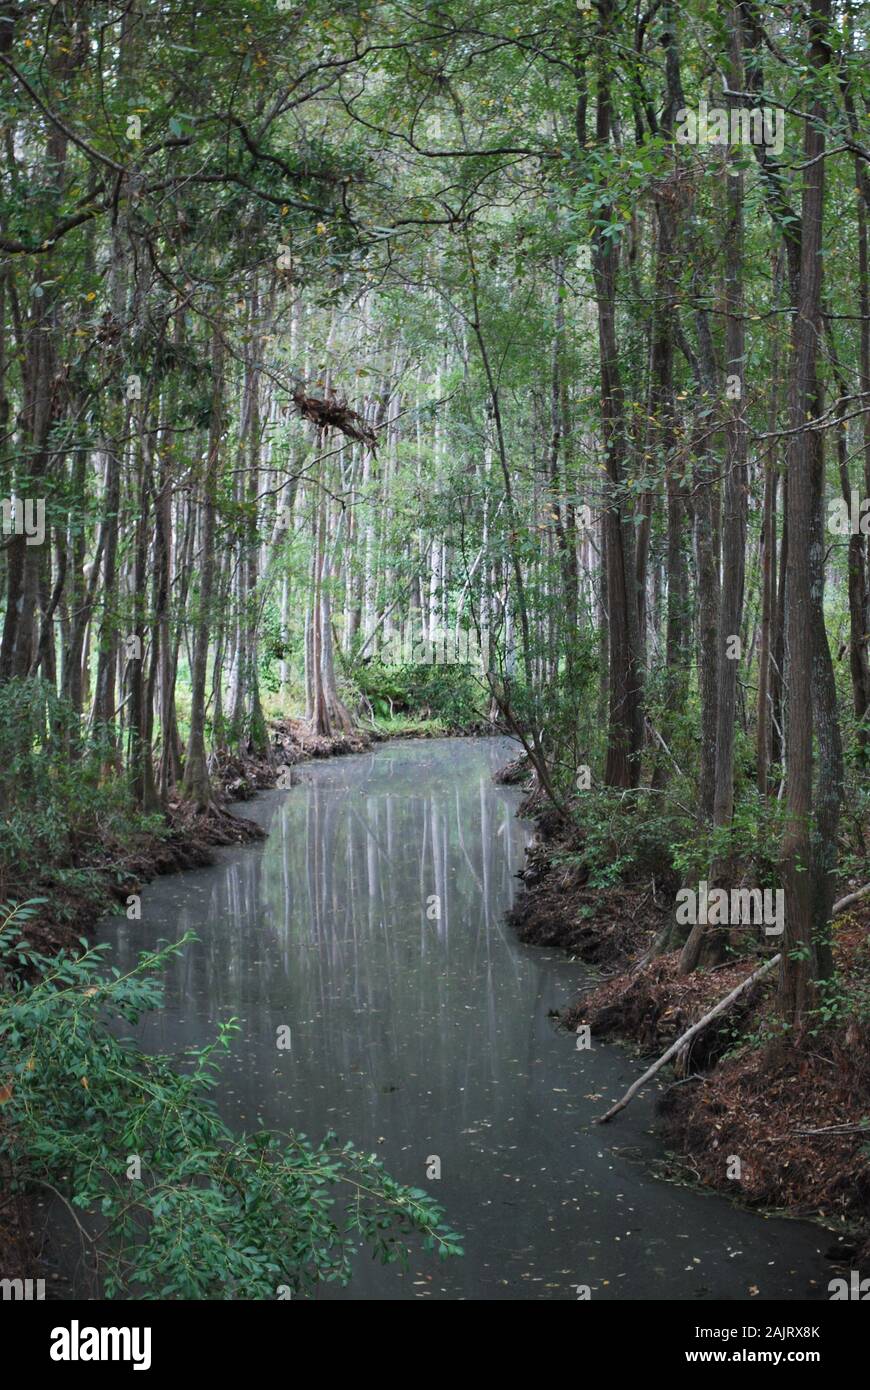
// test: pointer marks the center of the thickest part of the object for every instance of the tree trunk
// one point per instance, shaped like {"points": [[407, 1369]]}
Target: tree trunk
{"points": [[197, 786]]}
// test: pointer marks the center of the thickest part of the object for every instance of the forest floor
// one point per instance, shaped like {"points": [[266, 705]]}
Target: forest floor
{"points": [[797, 1117]]}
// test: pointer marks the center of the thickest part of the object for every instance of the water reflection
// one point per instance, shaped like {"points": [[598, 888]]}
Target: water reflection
{"points": [[370, 924]]}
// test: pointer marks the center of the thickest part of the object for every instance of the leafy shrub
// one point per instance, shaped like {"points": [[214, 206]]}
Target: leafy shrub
{"points": [[628, 835], [751, 840], [56, 804], [214, 1215], [447, 692]]}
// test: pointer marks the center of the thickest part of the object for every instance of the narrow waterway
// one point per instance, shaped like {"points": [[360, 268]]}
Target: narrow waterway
{"points": [[370, 923]]}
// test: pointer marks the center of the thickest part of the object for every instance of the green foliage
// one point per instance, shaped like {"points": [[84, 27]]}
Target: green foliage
{"points": [[273, 647], [632, 835], [446, 692], [213, 1215], [565, 706], [628, 835], [56, 804], [843, 1000], [752, 838]]}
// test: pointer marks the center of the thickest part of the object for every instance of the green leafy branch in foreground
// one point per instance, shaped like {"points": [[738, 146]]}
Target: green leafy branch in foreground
{"points": [[212, 1215]]}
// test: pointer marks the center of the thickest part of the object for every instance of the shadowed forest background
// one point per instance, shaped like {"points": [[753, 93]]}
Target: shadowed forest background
{"points": [[382, 369]]}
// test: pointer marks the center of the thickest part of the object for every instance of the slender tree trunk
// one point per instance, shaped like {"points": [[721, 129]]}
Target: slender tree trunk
{"points": [[805, 925], [197, 785]]}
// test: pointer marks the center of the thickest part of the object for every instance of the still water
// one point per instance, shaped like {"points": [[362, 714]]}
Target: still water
{"points": [[370, 923]]}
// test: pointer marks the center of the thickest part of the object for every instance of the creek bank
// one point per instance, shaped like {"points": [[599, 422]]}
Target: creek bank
{"points": [[240, 776], [105, 873], [797, 1115]]}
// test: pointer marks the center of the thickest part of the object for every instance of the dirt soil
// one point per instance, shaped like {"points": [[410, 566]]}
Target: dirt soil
{"points": [[556, 907], [797, 1116], [653, 1006]]}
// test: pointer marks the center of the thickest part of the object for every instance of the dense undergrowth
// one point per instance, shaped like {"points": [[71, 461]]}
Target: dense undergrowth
{"points": [[63, 808], [449, 697]]}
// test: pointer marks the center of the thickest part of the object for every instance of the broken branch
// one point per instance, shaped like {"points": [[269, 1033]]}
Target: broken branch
{"points": [[690, 1033]]}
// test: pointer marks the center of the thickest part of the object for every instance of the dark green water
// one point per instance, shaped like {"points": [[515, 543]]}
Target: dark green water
{"points": [[418, 1036]]}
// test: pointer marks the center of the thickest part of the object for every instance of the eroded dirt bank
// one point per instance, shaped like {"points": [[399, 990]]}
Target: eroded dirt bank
{"points": [[795, 1112]]}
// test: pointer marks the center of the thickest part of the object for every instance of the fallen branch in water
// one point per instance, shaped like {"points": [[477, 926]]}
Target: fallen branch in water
{"points": [[695, 1028]]}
